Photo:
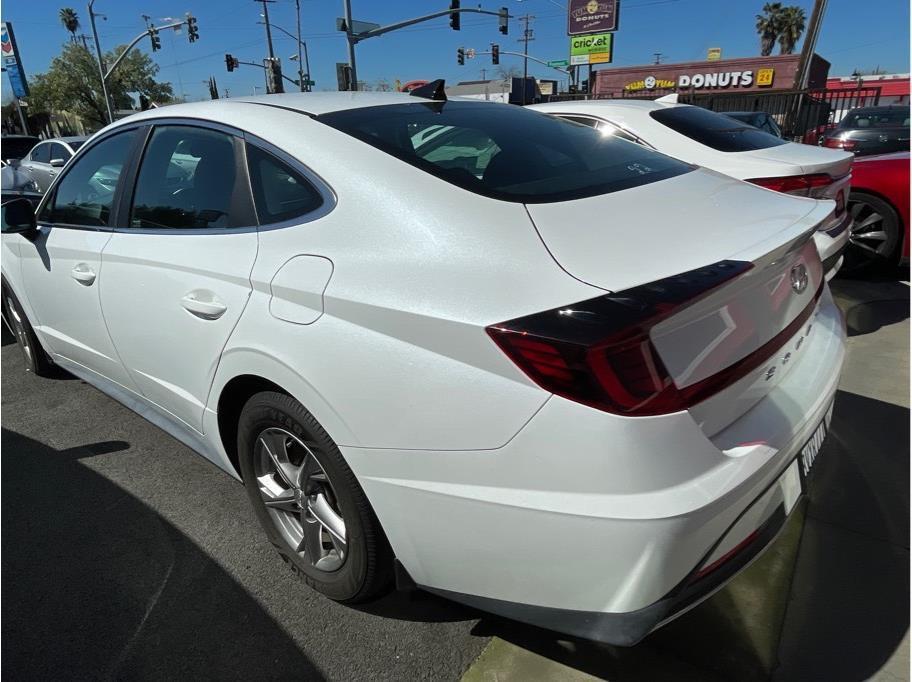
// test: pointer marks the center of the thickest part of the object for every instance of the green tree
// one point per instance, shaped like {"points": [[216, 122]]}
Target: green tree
{"points": [[73, 84], [768, 26], [791, 26], [70, 21]]}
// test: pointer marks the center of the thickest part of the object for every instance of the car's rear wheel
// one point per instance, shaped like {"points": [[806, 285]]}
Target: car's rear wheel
{"points": [[36, 359], [875, 239], [309, 502]]}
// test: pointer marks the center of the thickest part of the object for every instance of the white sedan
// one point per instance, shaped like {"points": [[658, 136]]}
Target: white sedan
{"points": [[514, 362], [732, 147]]}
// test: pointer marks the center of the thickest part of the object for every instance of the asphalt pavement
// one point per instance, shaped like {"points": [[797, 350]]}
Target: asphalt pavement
{"points": [[127, 556]]}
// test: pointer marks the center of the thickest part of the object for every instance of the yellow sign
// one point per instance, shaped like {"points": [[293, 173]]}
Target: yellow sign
{"points": [[649, 83], [714, 54], [765, 77]]}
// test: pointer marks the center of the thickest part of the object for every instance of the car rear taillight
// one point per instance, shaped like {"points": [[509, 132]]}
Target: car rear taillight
{"points": [[599, 352], [801, 185], [839, 143]]}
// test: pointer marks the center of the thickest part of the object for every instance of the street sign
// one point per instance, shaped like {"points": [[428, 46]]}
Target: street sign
{"points": [[356, 26], [309, 82], [591, 49], [470, 53], [11, 62], [591, 16], [558, 63]]}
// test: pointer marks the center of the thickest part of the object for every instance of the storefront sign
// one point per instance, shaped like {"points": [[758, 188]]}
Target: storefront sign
{"points": [[649, 83], [591, 16], [591, 49], [714, 54], [725, 79], [11, 62]]}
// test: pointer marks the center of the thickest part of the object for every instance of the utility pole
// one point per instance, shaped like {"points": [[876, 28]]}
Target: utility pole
{"points": [[353, 70], [483, 73], [658, 57], [802, 75], [101, 64], [300, 61], [526, 37], [268, 31]]}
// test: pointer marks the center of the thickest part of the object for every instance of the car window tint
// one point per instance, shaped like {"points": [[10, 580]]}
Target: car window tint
{"points": [[876, 118], [717, 131], [41, 153], [606, 128], [279, 192], [85, 195], [505, 152], [58, 151], [582, 120], [76, 144], [186, 180]]}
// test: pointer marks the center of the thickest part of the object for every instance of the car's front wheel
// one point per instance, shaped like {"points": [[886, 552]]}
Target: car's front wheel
{"points": [[36, 359], [875, 238], [309, 502]]}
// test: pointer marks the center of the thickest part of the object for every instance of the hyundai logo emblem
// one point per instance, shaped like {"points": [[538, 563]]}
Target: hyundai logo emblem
{"points": [[799, 277]]}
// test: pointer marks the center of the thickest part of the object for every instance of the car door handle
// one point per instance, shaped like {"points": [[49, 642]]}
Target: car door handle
{"points": [[204, 304], [83, 274]]}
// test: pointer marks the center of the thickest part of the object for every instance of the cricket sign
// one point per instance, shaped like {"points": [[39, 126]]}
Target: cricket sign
{"points": [[591, 49], [591, 16]]}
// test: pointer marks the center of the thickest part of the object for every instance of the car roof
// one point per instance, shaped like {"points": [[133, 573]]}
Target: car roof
{"points": [[885, 107], [310, 103], [71, 138], [643, 105]]}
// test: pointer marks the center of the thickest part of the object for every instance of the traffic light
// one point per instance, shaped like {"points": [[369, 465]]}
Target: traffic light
{"points": [[156, 40], [454, 16], [460, 56], [495, 54], [192, 29], [503, 18], [231, 62], [273, 75]]}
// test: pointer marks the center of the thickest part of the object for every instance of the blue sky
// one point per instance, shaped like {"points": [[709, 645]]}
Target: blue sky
{"points": [[854, 35]]}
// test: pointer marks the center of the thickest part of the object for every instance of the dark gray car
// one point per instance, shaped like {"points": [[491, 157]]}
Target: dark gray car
{"points": [[758, 119], [47, 158], [871, 130]]}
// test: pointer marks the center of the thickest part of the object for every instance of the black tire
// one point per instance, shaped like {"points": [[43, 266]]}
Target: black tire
{"points": [[36, 359], [865, 253], [366, 570]]}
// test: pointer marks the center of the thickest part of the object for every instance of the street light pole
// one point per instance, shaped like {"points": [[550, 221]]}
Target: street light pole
{"points": [[351, 45], [268, 31], [300, 61], [101, 66]]}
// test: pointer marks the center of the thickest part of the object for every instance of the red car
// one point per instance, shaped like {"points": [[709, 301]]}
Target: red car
{"points": [[879, 203]]}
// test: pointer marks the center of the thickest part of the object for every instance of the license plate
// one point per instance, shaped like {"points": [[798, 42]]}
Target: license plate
{"points": [[811, 449]]}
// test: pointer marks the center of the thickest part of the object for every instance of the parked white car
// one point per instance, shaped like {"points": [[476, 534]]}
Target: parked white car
{"points": [[523, 365], [716, 141], [45, 160]]}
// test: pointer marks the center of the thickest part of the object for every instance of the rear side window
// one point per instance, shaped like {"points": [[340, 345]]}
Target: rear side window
{"points": [[505, 152], [58, 151], [187, 181], [41, 153], [279, 192], [876, 118], [85, 195], [718, 131]]}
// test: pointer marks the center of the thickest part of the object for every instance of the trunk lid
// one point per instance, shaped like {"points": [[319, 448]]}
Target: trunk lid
{"points": [[721, 341], [808, 158]]}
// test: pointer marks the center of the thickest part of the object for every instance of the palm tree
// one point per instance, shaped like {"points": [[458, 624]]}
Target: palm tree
{"points": [[792, 21], [768, 25], [70, 21]]}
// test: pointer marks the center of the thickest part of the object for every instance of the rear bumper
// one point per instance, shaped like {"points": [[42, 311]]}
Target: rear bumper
{"points": [[597, 525]]}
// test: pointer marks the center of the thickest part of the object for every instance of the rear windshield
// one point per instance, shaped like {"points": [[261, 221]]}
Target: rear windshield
{"points": [[504, 151], [876, 118], [718, 131]]}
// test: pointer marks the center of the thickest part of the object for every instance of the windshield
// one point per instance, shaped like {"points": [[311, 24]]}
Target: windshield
{"points": [[504, 151], [876, 118], [75, 144], [718, 131]]}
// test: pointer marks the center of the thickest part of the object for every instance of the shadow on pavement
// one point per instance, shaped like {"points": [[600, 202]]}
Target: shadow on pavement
{"points": [[849, 609], [870, 304], [96, 585]]}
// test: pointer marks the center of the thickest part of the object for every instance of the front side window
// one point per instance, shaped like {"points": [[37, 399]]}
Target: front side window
{"points": [[505, 152], [186, 180], [715, 130], [279, 192], [85, 195], [41, 153]]}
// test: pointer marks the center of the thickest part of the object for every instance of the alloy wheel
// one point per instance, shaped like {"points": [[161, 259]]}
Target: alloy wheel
{"points": [[19, 329], [869, 236], [300, 498]]}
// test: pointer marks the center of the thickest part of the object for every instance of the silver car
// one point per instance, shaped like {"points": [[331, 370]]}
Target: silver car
{"points": [[47, 158]]}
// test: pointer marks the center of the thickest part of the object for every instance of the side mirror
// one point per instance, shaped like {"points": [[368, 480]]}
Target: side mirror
{"points": [[18, 216], [57, 163]]}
